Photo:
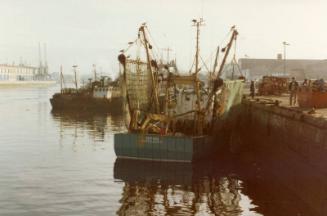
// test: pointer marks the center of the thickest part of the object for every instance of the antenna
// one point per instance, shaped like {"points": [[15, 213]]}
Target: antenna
{"points": [[168, 50], [202, 3], [198, 118], [197, 24]]}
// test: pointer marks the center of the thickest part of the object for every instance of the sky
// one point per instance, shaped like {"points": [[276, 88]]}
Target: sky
{"points": [[87, 32]]}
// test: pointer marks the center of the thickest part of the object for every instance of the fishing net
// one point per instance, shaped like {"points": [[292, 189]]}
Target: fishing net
{"points": [[138, 85], [231, 95]]}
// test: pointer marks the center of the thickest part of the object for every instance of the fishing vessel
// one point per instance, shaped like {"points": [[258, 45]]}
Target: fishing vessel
{"points": [[170, 116], [101, 95]]}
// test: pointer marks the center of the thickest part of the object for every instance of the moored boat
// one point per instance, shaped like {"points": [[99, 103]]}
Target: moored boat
{"points": [[170, 116], [102, 96]]}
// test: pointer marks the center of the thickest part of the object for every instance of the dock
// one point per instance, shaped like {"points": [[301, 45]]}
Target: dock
{"points": [[272, 120], [289, 142]]}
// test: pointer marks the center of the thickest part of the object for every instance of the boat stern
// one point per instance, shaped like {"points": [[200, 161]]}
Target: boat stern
{"points": [[155, 147]]}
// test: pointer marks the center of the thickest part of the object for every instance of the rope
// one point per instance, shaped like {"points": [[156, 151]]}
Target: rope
{"points": [[213, 51], [154, 43], [234, 58], [204, 64], [130, 45]]}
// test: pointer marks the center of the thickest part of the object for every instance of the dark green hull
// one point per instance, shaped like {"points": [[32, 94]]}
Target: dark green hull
{"points": [[155, 147], [86, 103]]}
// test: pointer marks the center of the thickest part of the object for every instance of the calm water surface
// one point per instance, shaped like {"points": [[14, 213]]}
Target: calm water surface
{"points": [[64, 164]]}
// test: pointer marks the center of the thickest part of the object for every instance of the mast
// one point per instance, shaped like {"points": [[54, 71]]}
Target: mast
{"points": [[168, 51], [154, 83], [95, 72], [198, 116], [75, 76], [216, 61], [197, 24], [214, 67], [229, 45], [61, 78]]}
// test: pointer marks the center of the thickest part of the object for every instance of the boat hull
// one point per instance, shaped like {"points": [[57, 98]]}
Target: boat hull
{"points": [[154, 147], [85, 103]]}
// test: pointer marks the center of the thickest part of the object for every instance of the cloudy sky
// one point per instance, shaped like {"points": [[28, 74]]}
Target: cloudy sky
{"points": [[86, 32]]}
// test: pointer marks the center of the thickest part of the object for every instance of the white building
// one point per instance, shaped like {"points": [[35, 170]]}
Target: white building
{"points": [[17, 72]]}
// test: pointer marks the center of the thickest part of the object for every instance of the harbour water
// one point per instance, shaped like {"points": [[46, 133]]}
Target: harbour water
{"points": [[64, 164]]}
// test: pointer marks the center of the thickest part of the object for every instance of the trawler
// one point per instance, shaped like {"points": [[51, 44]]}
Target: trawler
{"points": [[101, 95], [170, 116]]}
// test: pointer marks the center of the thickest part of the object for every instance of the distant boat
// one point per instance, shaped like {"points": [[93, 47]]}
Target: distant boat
{"points": [[170, 116], [100, 95]]}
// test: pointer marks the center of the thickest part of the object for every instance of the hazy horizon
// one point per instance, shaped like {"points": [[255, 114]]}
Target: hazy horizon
{"points": [[92, 32]]}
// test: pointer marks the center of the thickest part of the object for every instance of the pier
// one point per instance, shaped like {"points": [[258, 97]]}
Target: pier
{"points": [[302, 131], [288, 143]]}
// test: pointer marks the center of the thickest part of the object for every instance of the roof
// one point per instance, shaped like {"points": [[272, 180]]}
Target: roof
{"points": [[295, 67]]}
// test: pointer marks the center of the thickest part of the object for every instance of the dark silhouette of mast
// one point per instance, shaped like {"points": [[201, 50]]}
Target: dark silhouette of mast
{"points": [[149, 62]]}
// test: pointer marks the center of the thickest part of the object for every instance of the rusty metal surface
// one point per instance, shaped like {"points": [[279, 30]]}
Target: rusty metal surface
{"points": [[271, 85]]}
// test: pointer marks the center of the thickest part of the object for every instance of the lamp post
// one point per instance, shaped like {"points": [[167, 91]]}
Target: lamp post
{"points": [[284, 45]]}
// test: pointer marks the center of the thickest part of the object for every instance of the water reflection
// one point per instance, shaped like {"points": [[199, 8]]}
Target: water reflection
{"points": [[158, 188], [79, 125], [83, 178]]}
